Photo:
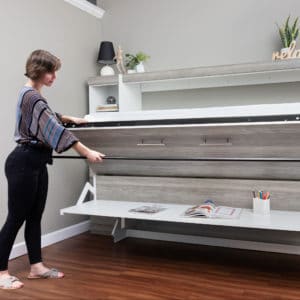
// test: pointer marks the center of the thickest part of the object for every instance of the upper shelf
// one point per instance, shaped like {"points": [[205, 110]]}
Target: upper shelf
{"points": [[103, 80], [210, 76]]}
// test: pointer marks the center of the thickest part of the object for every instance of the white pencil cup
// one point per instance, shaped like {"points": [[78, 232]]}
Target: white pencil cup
{"points": [[261, 206]]}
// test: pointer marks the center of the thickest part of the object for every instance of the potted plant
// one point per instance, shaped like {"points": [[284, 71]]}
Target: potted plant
{"points": [[288, 33], [135, 63]]}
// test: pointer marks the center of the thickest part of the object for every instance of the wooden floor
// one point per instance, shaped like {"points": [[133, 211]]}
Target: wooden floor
{"points": [[96, 268]]}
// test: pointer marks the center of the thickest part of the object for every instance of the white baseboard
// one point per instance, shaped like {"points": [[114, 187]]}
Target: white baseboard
{"points": [[53, 237]]}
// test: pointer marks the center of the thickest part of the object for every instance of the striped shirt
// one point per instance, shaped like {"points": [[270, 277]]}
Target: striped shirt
{"points": [[36, 123]]}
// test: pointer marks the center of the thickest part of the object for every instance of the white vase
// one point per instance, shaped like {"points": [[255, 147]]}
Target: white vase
{"points": [[284, 50], [140, 67]]}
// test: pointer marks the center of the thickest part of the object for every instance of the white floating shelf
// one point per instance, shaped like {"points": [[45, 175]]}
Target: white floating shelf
{"points": [[210, 76], [277, 220], [217, 76]]}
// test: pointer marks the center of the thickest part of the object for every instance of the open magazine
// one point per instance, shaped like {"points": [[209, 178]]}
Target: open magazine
{"points": [[149, 209], [209, 210]]}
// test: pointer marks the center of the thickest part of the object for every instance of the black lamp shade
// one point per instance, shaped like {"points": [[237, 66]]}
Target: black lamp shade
{"points": [[106, 53]]}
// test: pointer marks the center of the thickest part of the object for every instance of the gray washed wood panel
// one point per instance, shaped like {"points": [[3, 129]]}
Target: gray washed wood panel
{"points": [[219, 169], [285, 195], [271, 140], [103, 80]]}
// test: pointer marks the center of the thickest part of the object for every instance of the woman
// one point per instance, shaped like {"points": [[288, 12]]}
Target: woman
{"points": [[38, 132]]}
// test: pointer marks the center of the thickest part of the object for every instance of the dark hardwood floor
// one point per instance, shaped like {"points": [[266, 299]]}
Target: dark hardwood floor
{"points": [[96, 268]]}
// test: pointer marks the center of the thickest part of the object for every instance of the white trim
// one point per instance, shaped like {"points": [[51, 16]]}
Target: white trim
{"points": [[88, 7], [53, 237]]}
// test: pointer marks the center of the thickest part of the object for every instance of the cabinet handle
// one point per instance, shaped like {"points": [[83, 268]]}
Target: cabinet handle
{"points": [[142, 143], [216, 142]]}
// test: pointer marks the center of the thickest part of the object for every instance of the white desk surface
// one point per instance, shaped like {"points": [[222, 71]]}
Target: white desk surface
{"points": [[277, 220], [205, 112]]}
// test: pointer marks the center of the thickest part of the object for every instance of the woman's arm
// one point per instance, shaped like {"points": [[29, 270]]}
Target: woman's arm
{"points": [[91, 155], [81, 149], [52, 132]]}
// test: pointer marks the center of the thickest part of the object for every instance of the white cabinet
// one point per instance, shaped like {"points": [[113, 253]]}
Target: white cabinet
{"points": [[128, 89], [128, 97]]}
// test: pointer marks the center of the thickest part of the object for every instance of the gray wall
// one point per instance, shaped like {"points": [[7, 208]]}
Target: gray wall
{"points": [[175, 33], [182, 34], [72, 35]]}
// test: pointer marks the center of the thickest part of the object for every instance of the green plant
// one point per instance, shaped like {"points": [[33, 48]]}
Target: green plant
{"points": [[133, 60], [288, 33]]}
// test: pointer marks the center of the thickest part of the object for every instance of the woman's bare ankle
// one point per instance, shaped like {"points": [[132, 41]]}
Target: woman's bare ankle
{"points": [[38, 267], [5, 272]]}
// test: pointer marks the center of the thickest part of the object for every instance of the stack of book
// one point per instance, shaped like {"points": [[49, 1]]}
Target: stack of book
{"points": [[107, 107]]}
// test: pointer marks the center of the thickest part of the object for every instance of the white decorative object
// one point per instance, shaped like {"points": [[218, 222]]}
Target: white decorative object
{"points": [[119, 60], [287, 53], [107, 71]]}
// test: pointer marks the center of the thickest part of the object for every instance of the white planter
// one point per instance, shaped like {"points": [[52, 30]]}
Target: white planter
{"points": [[140, 67], [284, 50], [131, 71]]}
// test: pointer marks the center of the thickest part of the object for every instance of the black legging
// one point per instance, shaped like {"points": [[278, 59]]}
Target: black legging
{"points": [[27, 177]]}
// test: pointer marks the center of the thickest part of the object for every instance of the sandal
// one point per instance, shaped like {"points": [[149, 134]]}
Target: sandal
{"points": [[7, 283], [52, 273]]}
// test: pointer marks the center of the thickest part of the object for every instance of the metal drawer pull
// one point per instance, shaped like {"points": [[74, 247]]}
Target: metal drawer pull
{"points": [[216, 142], [151, 144]]}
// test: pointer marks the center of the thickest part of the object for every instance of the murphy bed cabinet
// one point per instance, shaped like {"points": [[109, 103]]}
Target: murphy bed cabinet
{"points": [[179, 158]]}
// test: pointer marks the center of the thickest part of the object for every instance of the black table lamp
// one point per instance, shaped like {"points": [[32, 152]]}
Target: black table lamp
{"points": [[106, 56]]}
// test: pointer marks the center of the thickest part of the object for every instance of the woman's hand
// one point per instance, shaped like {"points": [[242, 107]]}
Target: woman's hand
{"points": [[78, 120], [94, 156], [75, 120], [91, 155]]}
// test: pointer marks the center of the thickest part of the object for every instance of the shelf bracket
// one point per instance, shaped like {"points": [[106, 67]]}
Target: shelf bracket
{"points": [[88, 188], [119, 231]]}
